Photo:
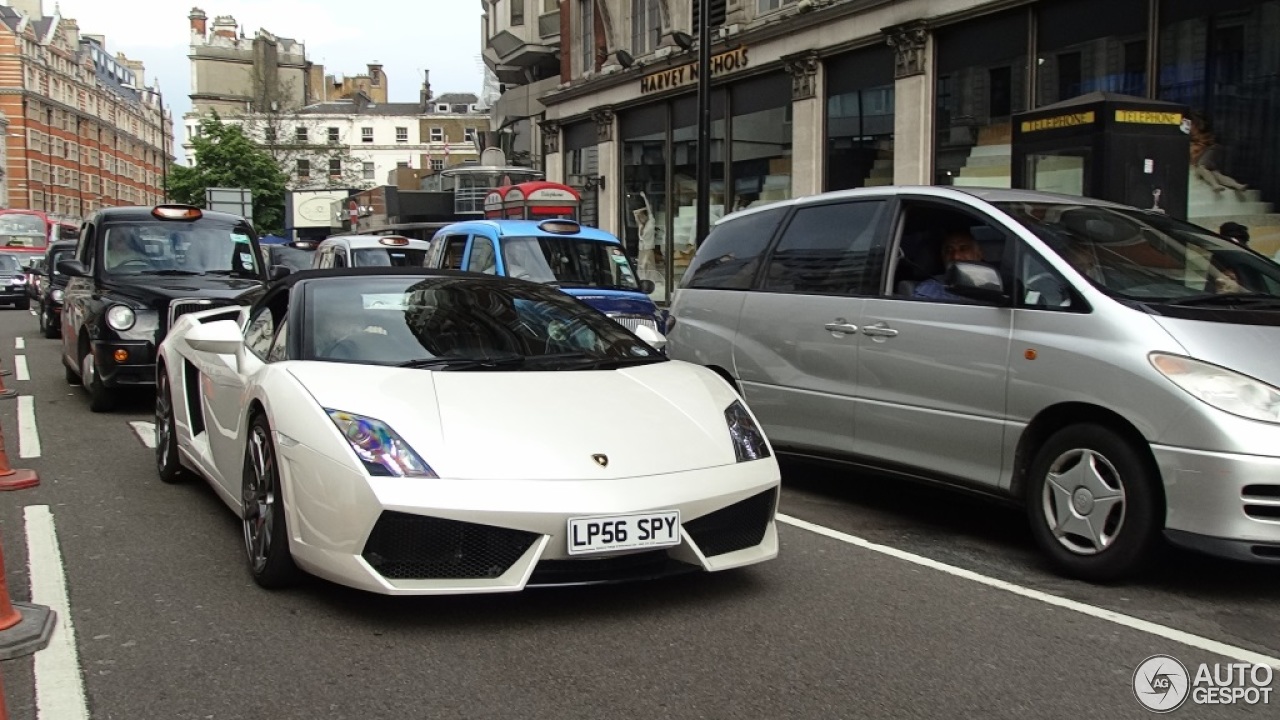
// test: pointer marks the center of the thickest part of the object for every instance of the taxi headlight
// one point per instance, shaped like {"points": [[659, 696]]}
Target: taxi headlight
{"points": [[1224, 389], [121, 317], [748, 441], [56, 295], [379, 447]]}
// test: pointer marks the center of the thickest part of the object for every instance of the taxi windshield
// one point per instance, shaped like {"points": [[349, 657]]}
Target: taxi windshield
{"points": [[569, 262], [204, 247], [389, 257]]}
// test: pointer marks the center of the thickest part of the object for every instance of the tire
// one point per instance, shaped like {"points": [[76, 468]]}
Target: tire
{"points": [[23, 304], [48, 328], [266, 535], [168, 465], [69, 375], [101, 398], [1094, 503]]}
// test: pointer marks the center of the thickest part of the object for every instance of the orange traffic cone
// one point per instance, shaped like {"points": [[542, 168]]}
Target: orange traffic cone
{"points": [[11, 479], [24, 628]]}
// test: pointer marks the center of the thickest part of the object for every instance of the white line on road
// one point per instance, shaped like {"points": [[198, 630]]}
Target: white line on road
{"points": [[19, 343], [20, 370], [59, 686], [146, 432], [28, 435], [1128, 621]]}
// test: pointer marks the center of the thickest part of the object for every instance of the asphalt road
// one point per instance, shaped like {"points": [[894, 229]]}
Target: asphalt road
{"points": [[168, 623]]}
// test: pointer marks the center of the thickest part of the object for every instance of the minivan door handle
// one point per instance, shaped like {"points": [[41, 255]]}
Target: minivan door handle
{"points": [[879, 330], [840, 326]]}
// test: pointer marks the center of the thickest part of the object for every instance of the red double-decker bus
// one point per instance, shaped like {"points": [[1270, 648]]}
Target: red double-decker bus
{"points": [[31, 231]]}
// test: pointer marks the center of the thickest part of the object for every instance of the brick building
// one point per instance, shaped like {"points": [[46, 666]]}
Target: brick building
{"points": [[84, 131]]}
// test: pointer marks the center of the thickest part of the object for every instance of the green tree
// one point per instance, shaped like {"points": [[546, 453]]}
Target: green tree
{"points": [[226, 157]]}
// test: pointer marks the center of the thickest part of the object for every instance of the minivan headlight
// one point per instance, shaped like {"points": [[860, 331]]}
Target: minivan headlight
{"points": [[379, 447], [120, 317], [1224, 389], [748, 441]]}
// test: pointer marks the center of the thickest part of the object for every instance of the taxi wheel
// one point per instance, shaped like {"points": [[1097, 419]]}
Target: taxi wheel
{"points": [[167, 464], [1094, 503], [48, 326], [101, 398], [266, 536]]}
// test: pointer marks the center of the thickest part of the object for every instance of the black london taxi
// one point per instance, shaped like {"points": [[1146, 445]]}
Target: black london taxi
{"points": [[135, 271], [50, 285]]}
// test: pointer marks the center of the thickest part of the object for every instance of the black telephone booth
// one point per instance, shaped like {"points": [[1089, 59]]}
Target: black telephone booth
{"points": [[1102, 145]]}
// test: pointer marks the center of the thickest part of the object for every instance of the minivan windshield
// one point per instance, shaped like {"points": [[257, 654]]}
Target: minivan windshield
{"points": [[203, 247], [1150, 257], [389, 257], [568, 262]]}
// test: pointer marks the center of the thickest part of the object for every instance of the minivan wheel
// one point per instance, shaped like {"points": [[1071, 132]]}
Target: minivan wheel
{"points": [[1094, 503]]}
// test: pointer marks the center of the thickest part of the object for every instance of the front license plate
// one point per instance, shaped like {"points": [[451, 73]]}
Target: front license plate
{"points": [[609, 533]]}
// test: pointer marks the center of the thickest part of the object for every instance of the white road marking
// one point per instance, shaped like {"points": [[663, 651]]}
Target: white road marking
{"points": [[1128, 621], [59, 685], [20, 343], [28, 435], [146, 432], [20, 370]]}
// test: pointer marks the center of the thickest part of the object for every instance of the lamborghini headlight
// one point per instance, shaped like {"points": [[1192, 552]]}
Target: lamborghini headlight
{"points": [[1221, 388], [379, 447], [748, 441]]}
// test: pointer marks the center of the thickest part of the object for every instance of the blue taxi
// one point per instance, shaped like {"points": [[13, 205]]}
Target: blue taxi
{"points": [[585, 262]]}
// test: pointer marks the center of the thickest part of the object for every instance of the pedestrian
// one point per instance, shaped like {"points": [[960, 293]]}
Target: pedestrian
{"points": [[1235, 232]]}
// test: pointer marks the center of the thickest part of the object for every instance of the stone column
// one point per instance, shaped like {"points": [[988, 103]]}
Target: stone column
{"points": [[552, 159], [808, 123], [609, 172], [913, 106]]}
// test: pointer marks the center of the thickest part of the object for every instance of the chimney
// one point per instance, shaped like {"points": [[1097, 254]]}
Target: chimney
{"points": [[199, 21], [31, 8], [425, 95], [225, 26]]}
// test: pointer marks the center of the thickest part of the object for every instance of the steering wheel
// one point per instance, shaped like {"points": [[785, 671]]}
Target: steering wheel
{"points": [[127, 263], [1035, 279]]}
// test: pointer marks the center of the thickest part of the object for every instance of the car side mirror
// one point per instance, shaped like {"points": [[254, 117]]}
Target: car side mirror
{"points": [[279, 272], [654, 338], [72, 268], [647, 287], [221, 337], [975, 281]]}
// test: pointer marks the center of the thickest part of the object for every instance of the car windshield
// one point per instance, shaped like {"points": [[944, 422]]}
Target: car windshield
{"points": [[58, 257], [389, 257], [291, 257], [452, 323], [569, 262], [1149, 257], [203, 247], [10, 264]]}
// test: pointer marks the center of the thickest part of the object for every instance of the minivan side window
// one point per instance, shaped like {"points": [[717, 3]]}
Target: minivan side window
{"points": [[831, 249], [730, 256], [936, 235]]}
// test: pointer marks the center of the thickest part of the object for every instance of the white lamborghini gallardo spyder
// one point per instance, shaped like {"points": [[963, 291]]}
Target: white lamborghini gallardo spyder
{"points": [[410, 431]]}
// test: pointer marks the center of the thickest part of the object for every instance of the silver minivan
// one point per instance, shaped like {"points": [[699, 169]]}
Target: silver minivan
{"points": [[1114, 369]]}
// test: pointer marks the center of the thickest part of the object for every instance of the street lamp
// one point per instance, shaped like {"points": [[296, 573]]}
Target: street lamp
{"points": [[703, 208], [164, 137]]}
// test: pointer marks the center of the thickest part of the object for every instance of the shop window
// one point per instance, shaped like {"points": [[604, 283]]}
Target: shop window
{"points": [[981, 80], [1218, 59], [644, 188], [1079, 55], [860, 118], [761, 141]]}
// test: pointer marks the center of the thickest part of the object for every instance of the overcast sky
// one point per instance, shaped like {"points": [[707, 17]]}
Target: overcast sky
{"points": [[406, 36]]}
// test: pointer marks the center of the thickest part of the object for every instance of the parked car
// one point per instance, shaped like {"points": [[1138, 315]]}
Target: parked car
{"points": [[13, 281], [34, 270], [584, 262], [50, 286], [1093, 361], [392, 484], [342, 251], [138, 269]]}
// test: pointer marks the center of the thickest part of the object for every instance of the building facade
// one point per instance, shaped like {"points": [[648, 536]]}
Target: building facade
{"points": [[816, 95], [84, 131]]}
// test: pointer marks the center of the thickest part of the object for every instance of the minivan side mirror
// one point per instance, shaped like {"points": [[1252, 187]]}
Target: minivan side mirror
{"points": [[72, 268], [975, 281]]}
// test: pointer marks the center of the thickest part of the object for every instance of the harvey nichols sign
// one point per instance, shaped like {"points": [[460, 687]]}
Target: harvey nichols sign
{"points": [[725, 62]]}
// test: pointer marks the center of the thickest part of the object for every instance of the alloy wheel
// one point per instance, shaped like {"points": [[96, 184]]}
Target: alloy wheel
{"points": [[259, 498]]}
